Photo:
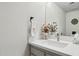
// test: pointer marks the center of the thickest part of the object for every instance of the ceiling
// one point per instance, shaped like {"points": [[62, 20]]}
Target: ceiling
{"points": [[68, 6]]}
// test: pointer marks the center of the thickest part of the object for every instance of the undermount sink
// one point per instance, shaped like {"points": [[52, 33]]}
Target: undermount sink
{"points": [[55, 43]]}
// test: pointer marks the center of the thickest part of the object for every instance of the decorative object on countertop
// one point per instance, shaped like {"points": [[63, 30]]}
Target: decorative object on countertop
{"points": [[48, 29], [73, 33], [76, 39], [53, 28], [45, 28], [45, 31]]}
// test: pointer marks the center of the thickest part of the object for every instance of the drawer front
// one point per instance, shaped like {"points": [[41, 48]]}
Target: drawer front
{"points": [[52, 54], [32, 55], [36, 52]]}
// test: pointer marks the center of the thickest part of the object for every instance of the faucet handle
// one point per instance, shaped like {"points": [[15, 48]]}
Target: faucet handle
{"points": [[57, 34]]}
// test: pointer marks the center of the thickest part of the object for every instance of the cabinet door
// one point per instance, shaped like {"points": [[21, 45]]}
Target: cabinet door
{"points": [[36, 52], [32, 54]]}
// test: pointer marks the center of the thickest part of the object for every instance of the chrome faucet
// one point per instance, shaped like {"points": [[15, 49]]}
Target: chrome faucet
{"points": [[58, 37]]}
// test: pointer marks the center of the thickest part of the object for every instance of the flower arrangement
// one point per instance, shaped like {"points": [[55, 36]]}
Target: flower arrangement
{"points": [[49, 28], [45, 28], [53, 27]]}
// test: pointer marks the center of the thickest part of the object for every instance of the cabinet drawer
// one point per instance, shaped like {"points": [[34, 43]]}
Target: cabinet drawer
{"points": [[52, 54], [32, 55], [36, 52]]}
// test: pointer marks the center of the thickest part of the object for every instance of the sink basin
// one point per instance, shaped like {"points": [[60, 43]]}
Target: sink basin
{"points": [[55, 43]]}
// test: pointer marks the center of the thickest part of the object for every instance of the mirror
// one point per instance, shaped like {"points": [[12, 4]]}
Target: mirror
{"points": [[65, 15]]}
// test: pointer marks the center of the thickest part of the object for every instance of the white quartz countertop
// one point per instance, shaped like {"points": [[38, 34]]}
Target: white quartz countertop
{"points": [[71, 49]]}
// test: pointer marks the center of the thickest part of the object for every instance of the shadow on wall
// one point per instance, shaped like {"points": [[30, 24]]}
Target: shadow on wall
{"points": [[26, 52], [29, 25]]}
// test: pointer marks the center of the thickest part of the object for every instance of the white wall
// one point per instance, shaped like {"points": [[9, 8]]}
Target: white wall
{"points": [[69, 26], [14, 19], [55, 13]]}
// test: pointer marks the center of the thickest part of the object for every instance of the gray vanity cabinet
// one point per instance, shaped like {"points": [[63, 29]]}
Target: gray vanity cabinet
{"points": [[35, 51]]}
